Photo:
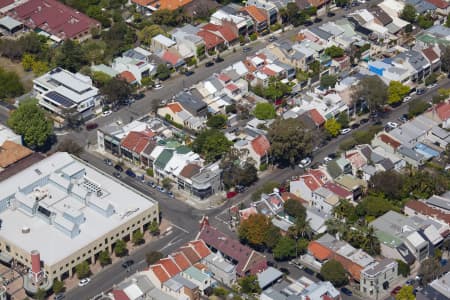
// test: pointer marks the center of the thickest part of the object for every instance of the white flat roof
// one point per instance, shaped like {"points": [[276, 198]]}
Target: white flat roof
{"points": [[64, 206]]}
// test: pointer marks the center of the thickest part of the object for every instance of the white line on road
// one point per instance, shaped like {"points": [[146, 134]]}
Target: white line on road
{"points": [[182, 229]]}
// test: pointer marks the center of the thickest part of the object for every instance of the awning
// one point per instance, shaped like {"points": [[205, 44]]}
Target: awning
{"points": [[5, 257]]}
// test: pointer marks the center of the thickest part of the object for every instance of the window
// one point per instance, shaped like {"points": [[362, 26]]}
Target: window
{"points": [[8, 248]]}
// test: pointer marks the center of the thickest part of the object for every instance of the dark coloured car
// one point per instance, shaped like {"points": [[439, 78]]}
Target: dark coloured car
{"points": [[59, 296], [420, 91], [130, 173], [128, 263], [91, 126], [246, 49], [170, 194], [331, 14], [209, 64], [116, 174], [151, 184], [346, 291], [139, 96], [118, 168], [308, 23], [395, 291], [272, 39], [188, 73], [219, 59], [354, 126], [317, 20], [363, 121]]}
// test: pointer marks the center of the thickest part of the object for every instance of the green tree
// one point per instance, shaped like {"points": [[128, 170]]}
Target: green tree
{"points": [[405, 293], [425, 21], [345, 211], [236, 172], [162, 72], [432, 78], [30, 122], [332, 127], [272, 236], [285, 249], [10, 84], [39, 67], [417, 107], [397, 91], [289, 141], [374, 206], [100, 79], [83, 270], [334, 272], [148, 32], [408, 13], [294, 208], [403, 268], [167, 183], [253, 230], [104, 258], [153, 257], [445, 58], [40, 294], [138, 237], [328, 81], [120, 249], [27, 62], [116, 90], [211, 144], [94, 51], [264, 111], [154, 228], [249, 284], [334, 51], [447, 21], [343, 119], [71, 56], [147, 81], [372, 90], [429, 270], [217, 121], [58, 286]]}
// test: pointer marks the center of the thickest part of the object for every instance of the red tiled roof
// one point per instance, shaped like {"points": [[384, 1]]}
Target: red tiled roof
{"points": [[261, 145], [317, 118], [232, 87], [120, 295], [427, 210], [169, 266], [353, 268], [181, 260], [255, 13], [160, 273], [174, 107], [430, 53], [172, 4], [338, 190], [443, 111], [190, 170], [439, 3], [201, 248], [268, 71], [4, 3], [170, 57], [223, 77], [319, 175], [390, 141], [190, 254], [288, 195], [247, 259], [53, 17], [211, 40], [319, 251], [225, 31], [137, 141], [311, 182], [142, 2], [127, 76]]}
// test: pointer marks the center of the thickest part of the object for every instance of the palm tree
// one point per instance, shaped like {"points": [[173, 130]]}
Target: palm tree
{"points": [[371, 244]]}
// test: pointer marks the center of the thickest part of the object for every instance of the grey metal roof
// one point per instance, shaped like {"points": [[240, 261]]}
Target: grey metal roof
{"points": [[273, 294], [9, 23], [215, 82], [410, 153], [320, 33], [439, 31], [439, 132], [190, 102], [439, 201], [378, 267], [134, 54], [387, 164], [415, 58], [268, 276]]}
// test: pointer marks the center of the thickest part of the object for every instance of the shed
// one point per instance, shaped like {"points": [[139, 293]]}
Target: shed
{"points": [[10, 24], [268, 276]]}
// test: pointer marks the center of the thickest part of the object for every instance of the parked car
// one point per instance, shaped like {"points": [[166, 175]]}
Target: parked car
{"points": [[403, 118], [106, 113], [354, 126], [170, 194], [420, 91], [246, 49], [108, 162], [407, 99], [118, 168], [116, 174], [443, 262], [363, 121], [392, 124], [209, 64], [396, 290], [84, 281], [345, 130], [130, 173], [308, 23], [272, 39], [188, 73], [346, 291], [128, 263], [151, 184], [219, 59], [161, 189], [59, 296], [305, 162], [231, 194], [91, 126], [410, 282], [158, 86], [327, 159], [317, 20], [139, 96]]}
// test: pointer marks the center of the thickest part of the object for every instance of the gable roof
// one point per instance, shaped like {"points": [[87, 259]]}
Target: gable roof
{"points": [[430, 54], [439, 3], [127, 76], [317, 118], [201, 248], [255, 13], [11, 152], [181, 260], [247, 259], [226, 32], [175, 107], [160, 273], [120, 295], [211, 40], [137, 141], [389, 141], [190, 170], [261, 145], [443, 111], [319, 251], [169, 266], [190, 254], [163, 4], [171, 58], [338, 190]]}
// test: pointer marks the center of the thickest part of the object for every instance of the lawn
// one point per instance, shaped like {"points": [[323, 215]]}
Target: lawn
{"points": [[25, 77]]}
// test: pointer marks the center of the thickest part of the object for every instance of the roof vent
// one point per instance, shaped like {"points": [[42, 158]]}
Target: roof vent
{"points": [[26, 229]]}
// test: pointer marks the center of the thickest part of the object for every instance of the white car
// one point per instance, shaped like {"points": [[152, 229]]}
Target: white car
{"points": [[327, 159], [407, 99], [84, 281], [392, 124], [305, 162], [106, 113], [158, 86], [345, 131]]}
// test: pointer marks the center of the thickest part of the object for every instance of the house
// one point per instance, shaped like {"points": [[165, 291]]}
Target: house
{"points": [[386, 142], [256, 149], [244, 24], [161, 43], [268, 8], [355, 185], [443, 112], [324, 200], [65, 93], [129, 62], [436, 208], [378, 276], [416, 62], [246, 260], [9, 25], [222, 270], [227, 32], [149, 6], [58, 21], [302, 288], [134, 144], [306, 184], [189, 44], [138, 286], [212, 42], [317, 220], [433, 56], [259, 18], [422, 7], [12, 153], [435, 35], [437, 289], [172, 59]]}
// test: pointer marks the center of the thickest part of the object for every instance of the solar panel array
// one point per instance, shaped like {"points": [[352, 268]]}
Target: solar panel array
{"points": [[58, 98]]}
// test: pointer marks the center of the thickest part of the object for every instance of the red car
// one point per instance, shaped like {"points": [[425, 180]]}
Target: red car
{"points": [[396, 290], [231, 194]]}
